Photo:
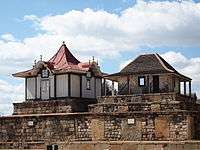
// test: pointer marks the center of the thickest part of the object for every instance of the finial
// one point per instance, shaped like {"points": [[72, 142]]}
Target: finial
{"points": [[35, 62], [97, 62], [40, 57], [92, 58], [89, 62], [63, 42]]}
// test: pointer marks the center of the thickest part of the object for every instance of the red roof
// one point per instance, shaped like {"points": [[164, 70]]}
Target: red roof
{"points": [[62, 61]]}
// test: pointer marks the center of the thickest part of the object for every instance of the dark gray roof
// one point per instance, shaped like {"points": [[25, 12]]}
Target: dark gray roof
{"points": [[148, 64]]}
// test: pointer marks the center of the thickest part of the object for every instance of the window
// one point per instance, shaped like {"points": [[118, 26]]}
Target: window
{"points": [[45, 73], [88, 84], [88, 75], [141, 81]]}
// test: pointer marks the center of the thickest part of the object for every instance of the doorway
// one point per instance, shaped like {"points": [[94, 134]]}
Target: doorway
{"points": [[156, 84], [45, 89]]}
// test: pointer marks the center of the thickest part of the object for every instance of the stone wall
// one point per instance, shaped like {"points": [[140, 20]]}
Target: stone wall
{"points": [[52, 106], [55, 128]]}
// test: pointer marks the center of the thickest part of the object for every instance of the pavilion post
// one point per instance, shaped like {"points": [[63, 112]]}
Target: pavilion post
{"points": [[113, 88], [185, 88], [190, 89], [128, 83], [104, 84], [179, 87]]}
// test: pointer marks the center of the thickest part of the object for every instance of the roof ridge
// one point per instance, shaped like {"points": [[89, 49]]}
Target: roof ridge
{"points": [[162, 63]]}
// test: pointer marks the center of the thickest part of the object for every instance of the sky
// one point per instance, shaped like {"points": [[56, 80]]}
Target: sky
{"points": [[113, 31]]}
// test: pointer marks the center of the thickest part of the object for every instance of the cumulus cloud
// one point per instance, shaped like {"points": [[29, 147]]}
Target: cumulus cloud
{"points": [[10, 93], [124, 63], [103, 34], [8, 37], [106, 35], [186, 66]]}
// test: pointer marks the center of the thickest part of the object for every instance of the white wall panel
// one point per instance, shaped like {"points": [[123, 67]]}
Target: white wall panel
{"points": [[75, 85], [62, 85], [51, 78], [38, 86], [98, 87], [31, 88]]}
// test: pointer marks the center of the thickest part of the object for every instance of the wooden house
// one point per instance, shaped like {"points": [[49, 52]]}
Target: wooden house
{"points": [[63, 76], [150, 73]]}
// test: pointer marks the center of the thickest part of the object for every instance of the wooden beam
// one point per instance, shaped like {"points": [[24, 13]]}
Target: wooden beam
{"points": [[113, 88], [128, 83], [190, 88], [104, 84], [185, 88]]}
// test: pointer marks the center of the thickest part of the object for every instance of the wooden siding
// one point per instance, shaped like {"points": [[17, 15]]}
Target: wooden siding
{"points": [[98, 87], [31, 83], [75, 85], [62, 85], [51, 79], [38, 86]]}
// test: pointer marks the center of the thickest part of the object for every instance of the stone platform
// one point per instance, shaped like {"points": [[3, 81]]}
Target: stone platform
{"points": [[118, 145]]}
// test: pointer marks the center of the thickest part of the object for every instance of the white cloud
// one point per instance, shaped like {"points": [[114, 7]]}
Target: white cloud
{"points": [[106, 35], [10, 93], [187, 66], [8, 37], [124, 63]]}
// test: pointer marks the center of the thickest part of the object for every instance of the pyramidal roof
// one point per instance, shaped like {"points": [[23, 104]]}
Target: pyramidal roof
{"points": [[63, 61], [63, 58], [148, 64]]}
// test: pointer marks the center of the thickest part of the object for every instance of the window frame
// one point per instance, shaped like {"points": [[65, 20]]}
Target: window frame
{"points": [[139, 81], [88, 84], [47, 75]]}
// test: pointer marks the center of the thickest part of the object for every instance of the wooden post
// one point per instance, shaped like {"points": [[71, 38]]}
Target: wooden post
{"points": [[113, 88], [104, 85], [179, 87], [184, 88], [128, 82], [190, 89]]}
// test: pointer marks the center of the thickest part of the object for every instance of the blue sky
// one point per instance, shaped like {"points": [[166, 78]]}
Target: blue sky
{"points": [[114, 31]]}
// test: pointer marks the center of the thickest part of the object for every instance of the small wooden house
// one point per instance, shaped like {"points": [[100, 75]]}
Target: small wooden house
{"points": [[63, 76], [150, 73]]}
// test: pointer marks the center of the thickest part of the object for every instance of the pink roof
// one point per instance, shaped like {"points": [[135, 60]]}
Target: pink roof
{"points": [[62, 61]]}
